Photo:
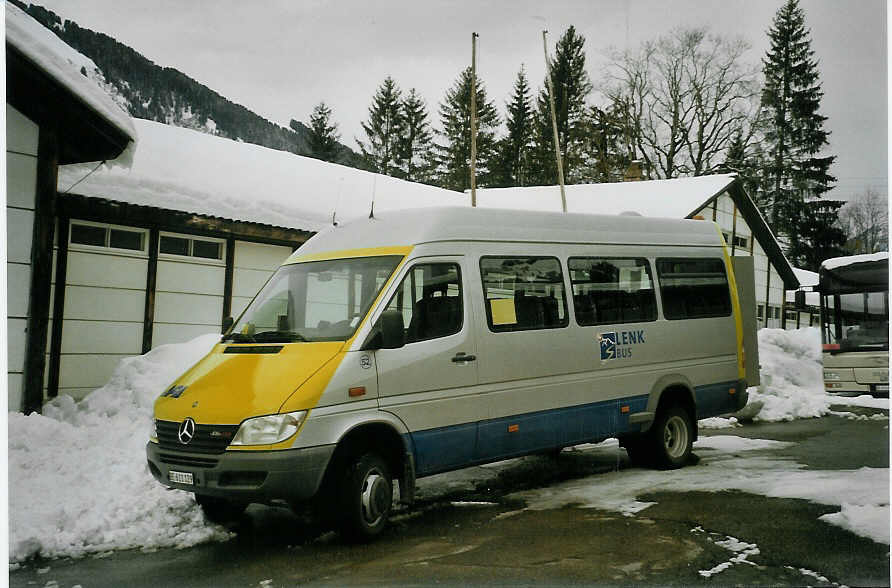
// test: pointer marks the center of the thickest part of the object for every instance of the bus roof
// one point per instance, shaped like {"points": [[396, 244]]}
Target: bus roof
{"points": [[412, 227], [855, 273]]}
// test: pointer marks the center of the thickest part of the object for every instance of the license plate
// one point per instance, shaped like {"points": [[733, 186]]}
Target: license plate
{"points": [[180, 477]]}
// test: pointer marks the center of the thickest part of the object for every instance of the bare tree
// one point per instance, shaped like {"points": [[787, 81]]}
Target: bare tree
{"points": [[865, 218], [684, 97]]}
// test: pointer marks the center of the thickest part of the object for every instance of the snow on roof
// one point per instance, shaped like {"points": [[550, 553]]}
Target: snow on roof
{"points": [[676, 198], [806, 277], [189, 171], [63, 64], [838, 262]]}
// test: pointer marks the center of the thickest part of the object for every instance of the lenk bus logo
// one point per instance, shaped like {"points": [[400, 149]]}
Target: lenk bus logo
{"points": [[618, 345]]}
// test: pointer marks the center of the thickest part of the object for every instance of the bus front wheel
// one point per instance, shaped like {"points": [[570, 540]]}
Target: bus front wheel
{"points": [[366, 498]]}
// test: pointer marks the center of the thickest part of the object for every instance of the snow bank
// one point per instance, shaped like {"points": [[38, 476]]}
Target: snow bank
{"points": [[792, 377], [78, 477]]}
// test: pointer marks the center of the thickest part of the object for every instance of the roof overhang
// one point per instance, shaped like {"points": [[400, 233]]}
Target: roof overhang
{"points": [[83, 134]]}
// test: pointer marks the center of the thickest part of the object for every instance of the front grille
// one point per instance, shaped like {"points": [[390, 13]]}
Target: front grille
{"points": [[207, 439], [187, 460]]}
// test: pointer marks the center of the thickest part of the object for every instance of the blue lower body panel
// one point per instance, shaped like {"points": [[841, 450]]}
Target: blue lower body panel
{"points": [[449, 448]]}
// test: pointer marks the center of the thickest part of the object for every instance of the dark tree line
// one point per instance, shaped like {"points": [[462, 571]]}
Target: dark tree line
{"points": [[680, 105]]}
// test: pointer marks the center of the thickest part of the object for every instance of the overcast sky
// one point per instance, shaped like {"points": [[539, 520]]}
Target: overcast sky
{"points": [[281, 57]]}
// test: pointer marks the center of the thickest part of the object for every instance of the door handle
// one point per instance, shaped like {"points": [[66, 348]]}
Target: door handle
{"points": [[461, 356]]}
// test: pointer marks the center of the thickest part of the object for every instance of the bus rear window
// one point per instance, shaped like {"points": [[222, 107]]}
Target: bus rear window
{"points": [[693, 288]]}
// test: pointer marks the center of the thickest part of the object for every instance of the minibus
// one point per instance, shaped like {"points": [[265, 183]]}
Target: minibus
{"points": [[421, 341]]}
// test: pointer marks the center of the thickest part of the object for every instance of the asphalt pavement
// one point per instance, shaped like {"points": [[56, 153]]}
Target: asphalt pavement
{"points": [[478, 534]]}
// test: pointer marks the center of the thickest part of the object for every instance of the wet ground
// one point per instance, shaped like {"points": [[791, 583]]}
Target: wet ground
{"points": [[467, 529]]}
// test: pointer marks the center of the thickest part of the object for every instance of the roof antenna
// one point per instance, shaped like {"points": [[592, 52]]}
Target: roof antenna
{"points": [[334, 212], [374, 191]]}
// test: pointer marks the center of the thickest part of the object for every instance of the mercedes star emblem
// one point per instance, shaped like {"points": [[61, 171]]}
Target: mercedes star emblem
{"points": [[187, 431]]}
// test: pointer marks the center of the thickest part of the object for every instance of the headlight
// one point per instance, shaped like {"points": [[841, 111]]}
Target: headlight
{"points": [[153, 434], [832, 376], [267, 430]]}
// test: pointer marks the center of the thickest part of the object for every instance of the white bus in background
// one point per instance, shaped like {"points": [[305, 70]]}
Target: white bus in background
{"points": [[855, 324]]}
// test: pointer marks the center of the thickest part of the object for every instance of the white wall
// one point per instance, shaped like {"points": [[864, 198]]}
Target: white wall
{"points": [[21, 189], [254, 264], [104, 306], [188, 296]]}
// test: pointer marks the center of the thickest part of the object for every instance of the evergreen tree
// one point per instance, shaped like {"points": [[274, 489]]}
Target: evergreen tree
{"points": [[571, 88], [819, 235], [385, 129], [795, 172], [605, 151], [515, 149], [455, 119], [747, 163], [417, 141], [323, 134]]}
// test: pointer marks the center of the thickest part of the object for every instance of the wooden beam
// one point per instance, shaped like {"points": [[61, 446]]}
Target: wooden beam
{"points": [[102, 210], [148, 320], [52, 389], [41, 269], [228, 278], [734, 232]]}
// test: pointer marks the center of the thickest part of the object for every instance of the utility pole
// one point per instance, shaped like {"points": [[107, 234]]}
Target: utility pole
{"points": [[557, 147], [473, 120]]}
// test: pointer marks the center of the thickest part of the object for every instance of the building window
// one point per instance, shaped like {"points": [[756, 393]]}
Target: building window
{"points": [[741, 242], [760, 312], [191, 247], [523, 293], [107, 236], [609, 291], [693, 288]]}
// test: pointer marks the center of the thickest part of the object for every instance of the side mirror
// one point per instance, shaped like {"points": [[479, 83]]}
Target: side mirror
{"points": [[227, 324], [800, 299], [393, 329]]}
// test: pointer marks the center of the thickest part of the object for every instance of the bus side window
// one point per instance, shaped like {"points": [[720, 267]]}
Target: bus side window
{"points": [[523, 293], [612, 290], [693, 288]]}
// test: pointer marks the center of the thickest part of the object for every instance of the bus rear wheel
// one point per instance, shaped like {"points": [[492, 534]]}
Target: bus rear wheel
{"points": [[672, 438]]}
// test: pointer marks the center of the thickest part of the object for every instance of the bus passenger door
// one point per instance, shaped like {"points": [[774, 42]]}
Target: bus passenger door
{"points": [[428, 383]]}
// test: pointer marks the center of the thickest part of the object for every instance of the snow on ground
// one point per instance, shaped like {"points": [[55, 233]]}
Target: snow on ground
{"points": [[78, 481], [89, 458], [737, 463]]}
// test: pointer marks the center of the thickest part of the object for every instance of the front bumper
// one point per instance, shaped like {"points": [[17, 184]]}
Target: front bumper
{"points": [[246, 476]]}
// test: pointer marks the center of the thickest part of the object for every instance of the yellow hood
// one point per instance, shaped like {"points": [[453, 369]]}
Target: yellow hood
{"points": [[226, 388]]}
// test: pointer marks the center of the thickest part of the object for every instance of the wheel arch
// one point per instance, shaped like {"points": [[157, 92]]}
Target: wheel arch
{"points": [[673, 390], [383, 438]]}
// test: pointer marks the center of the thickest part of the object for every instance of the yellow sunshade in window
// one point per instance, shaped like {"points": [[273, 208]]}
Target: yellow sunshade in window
{"points": [[503, 311]]}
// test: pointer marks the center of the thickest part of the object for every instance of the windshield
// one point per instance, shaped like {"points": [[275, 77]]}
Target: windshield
{"points": [[314, 301], [856, 322]]}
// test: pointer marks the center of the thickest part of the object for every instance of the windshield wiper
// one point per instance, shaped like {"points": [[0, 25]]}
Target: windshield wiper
{"points": [[278, 337], [237, 337]]}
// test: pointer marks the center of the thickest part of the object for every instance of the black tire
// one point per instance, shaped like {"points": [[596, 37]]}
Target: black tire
{"points": [[220, 510], [366, 498], [639, 451], [671, 438]]}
